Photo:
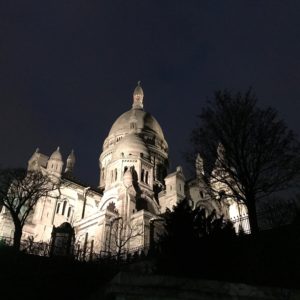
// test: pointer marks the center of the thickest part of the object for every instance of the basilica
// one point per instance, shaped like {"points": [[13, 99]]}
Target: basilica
{"points": [[135, 189]]}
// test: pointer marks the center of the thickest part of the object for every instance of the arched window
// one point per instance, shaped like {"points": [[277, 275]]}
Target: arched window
{"points": [[142, 175], [160, 172], [111, 176], [116, 174], [69, 211], [57, 208], [141, 204], [146, 177], [102, 174], [133, 125], [64, 207]]}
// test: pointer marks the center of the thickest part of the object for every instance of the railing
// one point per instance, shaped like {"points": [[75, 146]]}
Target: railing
{"points": [[77, 252], [268, 219], [28, 246], [81, 254], [241, 224]]}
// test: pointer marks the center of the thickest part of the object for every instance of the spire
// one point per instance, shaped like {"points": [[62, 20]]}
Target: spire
{"points": [[138, 97], [220, 159], [71, 157], [70, 163], [221, 152], [199, 166]]}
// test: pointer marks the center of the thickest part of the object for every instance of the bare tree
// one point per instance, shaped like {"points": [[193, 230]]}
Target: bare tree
{"points": [[20, 190], [259, 155], [122, 234]]}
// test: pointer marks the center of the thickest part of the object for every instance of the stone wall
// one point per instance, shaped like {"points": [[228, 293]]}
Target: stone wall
{"points": [[129, 286]]}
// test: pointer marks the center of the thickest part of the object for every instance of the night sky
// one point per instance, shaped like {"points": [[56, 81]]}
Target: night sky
{"points": [[68, 68]]}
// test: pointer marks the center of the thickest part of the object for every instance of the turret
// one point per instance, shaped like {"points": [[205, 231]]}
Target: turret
{"points": [[37, 161], [55, 163], [175, 183]]}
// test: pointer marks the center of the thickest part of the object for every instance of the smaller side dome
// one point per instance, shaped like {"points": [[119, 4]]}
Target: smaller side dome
{"points": [[130, 145], [138, 97], [55, 163], [56, 155]]}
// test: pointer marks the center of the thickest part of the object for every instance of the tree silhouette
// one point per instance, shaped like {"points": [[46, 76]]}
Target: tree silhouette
{"points": [[259, 154], [189, 235], [20, 190]]}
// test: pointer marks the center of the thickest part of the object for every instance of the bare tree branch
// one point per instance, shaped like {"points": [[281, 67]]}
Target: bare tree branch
{"points": [[122, 233], [20, 190]]}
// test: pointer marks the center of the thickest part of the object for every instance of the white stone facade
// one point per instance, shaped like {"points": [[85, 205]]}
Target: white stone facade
{"points": [[134, 188]]}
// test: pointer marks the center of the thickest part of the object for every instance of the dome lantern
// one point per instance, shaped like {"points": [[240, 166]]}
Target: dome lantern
{"points": [[138, 97]]}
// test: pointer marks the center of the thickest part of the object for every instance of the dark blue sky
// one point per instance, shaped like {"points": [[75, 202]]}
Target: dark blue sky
{"points": [[68, 68]]}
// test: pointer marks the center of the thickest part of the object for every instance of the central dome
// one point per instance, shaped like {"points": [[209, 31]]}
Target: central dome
{"points": [[135, 135], [139, 121], [145, 122]]}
